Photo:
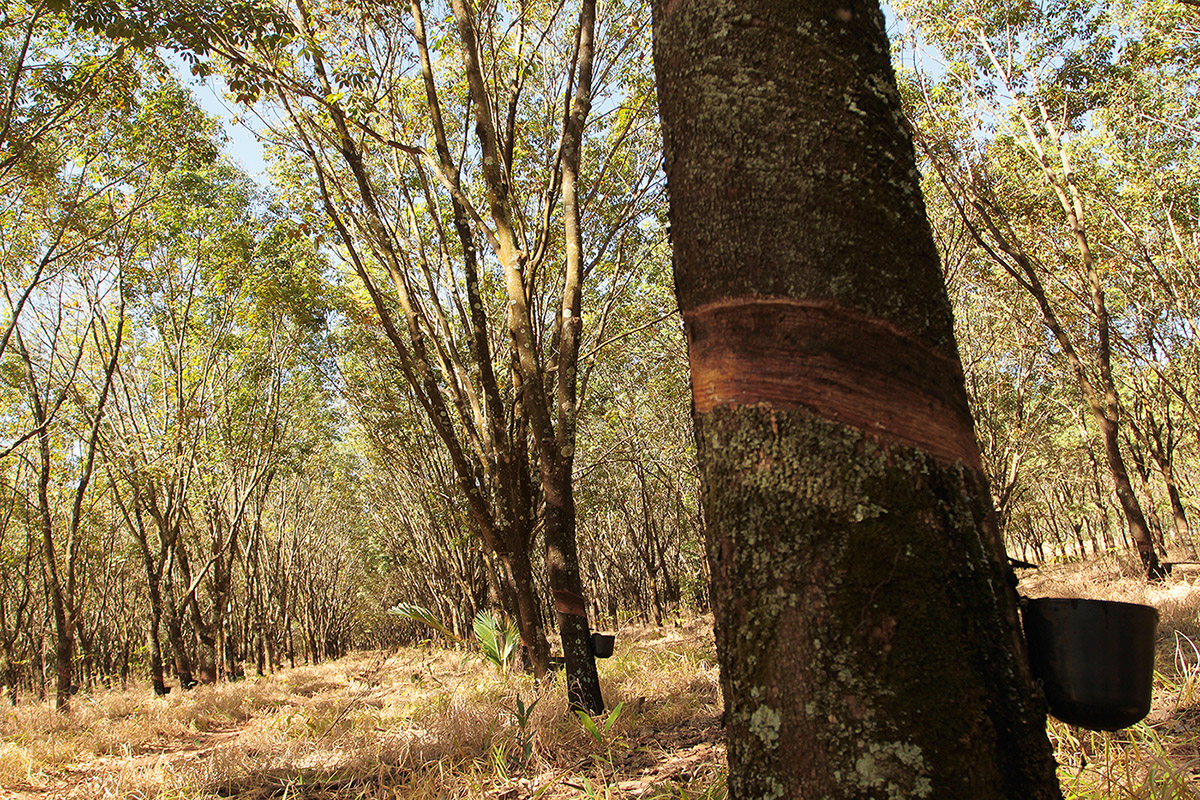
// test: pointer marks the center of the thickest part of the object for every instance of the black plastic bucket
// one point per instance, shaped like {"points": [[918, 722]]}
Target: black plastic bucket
{"points": [[1094, 659], [602, 644]]}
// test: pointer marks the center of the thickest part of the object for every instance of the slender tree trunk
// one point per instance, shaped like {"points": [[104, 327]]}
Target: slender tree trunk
{"points": [[37, 666], [9, 670], [179, 650], [1100, 396], [1139, 531], [1110, 542], [518, 578], [205, 662], [64, 642], [154, 646], [1183, 531], [1091, 534], [1103, 399], [562, 557], [1159, 441], [570, 603], [866, 626], [154, 620]]}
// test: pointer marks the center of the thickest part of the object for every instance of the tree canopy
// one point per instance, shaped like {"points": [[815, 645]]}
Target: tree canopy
{"points": [[434, 360]]}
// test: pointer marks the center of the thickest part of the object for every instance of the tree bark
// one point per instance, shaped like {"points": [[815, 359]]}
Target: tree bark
{"points": [[570, 602], [154, 646], [57, 594], [866, 626]]}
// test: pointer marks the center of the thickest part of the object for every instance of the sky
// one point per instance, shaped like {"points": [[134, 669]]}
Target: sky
{"points": [[212, 94]]}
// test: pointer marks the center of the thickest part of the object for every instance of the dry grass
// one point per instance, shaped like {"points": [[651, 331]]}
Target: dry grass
{"points": [[1159, 758], [423, 724], [418, 723]]}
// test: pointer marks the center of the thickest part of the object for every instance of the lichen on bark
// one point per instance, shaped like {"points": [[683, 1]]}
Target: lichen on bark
{"points": [[867, 634], [860, 632]]}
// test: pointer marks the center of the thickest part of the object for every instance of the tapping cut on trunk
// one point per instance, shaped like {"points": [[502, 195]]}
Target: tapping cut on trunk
{"points": [[836, 363]]}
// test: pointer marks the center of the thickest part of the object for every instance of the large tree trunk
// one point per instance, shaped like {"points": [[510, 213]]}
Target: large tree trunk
{"points": [[866, 626]]}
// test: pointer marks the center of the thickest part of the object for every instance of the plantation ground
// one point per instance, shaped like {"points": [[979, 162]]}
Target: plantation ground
{"points": [[431, 723], [419, 723]]}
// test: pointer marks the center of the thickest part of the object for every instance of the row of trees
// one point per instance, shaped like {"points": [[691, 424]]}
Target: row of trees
{"points": [[155, 402], [439, 352], [1059, 145], [274, 415], [453, 156]]}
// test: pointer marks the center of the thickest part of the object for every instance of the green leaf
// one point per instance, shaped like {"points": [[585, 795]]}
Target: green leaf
{"points": [[491, 640], [424, 616], [589, 725], [511, 638], [612, 717]]}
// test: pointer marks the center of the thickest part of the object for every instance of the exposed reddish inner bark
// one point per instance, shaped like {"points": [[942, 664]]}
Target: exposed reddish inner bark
{"points": [[835, 363], [566, 602]]}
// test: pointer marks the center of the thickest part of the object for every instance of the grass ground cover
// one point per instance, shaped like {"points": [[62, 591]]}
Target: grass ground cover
{"points": [[426, 722], [416, 723]]}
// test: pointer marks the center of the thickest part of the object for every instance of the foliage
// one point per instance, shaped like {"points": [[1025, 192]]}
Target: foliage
{"points": [[522, 716], [416, 613], [599, 731], [497, 642]]}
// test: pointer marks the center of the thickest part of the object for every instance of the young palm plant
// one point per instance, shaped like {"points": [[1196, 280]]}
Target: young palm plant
{"points": [[497, 640]]}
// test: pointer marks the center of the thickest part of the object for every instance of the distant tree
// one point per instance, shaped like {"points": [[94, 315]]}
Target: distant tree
{"points": [[1069, 195]]}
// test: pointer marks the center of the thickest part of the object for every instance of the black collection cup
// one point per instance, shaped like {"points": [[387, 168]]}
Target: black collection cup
{"points": [[1093, 658]]}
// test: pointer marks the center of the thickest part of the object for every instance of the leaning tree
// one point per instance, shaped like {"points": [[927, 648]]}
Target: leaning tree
{"points": [[866, 623]]}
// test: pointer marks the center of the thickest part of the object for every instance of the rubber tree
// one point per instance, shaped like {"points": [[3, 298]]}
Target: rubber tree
{"points": [[866, 622]]}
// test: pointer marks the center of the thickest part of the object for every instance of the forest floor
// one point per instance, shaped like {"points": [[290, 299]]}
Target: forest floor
{"points": [[416, 723], [432, 723]]}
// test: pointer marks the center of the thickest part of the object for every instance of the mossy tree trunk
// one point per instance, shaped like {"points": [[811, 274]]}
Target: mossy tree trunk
{"points": [[551, 417], [866, 622]]}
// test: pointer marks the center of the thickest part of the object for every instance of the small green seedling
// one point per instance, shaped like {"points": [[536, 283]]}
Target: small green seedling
{"points": [[522, 715], [497, 641], [598, 731]]}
